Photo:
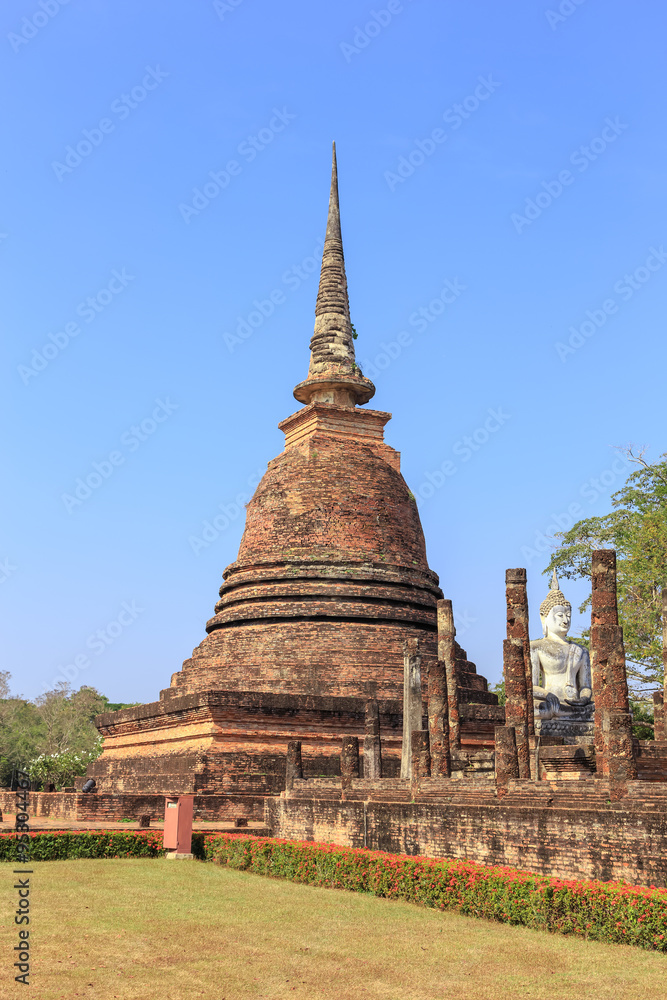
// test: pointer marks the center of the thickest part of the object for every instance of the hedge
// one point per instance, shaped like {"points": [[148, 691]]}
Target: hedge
{"points": [[58, 845], [603, 911]]}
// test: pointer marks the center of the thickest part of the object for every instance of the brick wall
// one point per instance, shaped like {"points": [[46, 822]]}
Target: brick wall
{"points": [[96, 807], [601, 840]]}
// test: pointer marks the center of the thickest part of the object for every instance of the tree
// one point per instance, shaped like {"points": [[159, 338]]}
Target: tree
{"points": [[4, 684], [57, 727], [499, 689], [637, 529], [21, 735], [61, 768], [68, 718]]}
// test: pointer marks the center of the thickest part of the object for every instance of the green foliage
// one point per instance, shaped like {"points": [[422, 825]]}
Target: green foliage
{"points": [[53, 737], [62, 768], [59, 845], [68, 718], [499, 689], [22, 735], [117, 706], [637, 529], [354, 331], [642, 721], [602, 911]]}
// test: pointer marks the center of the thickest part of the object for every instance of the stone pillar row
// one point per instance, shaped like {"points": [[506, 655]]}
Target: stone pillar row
{"points": [[428, 752], [613, 721]]}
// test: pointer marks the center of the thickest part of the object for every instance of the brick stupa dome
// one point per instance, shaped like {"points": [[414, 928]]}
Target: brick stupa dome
{"points": [[331, 575]]}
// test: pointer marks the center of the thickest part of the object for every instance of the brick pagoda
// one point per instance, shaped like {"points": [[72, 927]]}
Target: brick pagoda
{"points": [[330, 581]]}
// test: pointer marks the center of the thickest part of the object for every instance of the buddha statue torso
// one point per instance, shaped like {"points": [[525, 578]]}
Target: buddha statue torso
{"points": [[561, 671]]}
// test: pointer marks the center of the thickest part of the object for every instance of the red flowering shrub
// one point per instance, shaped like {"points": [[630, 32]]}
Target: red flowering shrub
{"points": [[603, 911]]}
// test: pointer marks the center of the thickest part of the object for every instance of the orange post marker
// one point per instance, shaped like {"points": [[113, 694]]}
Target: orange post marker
{"points": [[178, 823]]}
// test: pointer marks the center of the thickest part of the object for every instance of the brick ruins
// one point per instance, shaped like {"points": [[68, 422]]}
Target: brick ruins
{"points": [[331, 699]]}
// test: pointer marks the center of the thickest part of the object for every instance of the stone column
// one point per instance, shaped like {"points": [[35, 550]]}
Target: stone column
{"points": [[438, 721], [372, 746], [603, 612], [349, 761], [421, 757], [621, 765], [613, 721], [294, 764], [660, 697], [658, 715], [516, 596], [447, 653], [516, 704], [663, 729], [412, 700], [507, 762]]}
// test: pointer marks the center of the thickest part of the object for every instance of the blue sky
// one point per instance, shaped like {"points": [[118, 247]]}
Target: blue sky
{"points": [[166, 173]]}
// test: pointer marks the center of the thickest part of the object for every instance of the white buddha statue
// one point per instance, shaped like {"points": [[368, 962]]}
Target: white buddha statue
{"points": [[561, 667]]}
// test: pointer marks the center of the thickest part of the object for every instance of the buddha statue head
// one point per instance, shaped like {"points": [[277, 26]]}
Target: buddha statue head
{"points": [[555, 612]]}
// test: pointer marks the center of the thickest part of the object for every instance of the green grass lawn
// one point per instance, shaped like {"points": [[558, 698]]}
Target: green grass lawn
{"points": [[179, 929]]}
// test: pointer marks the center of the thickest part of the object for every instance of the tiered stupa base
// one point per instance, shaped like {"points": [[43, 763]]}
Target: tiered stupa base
{"points": [[235, 742]]}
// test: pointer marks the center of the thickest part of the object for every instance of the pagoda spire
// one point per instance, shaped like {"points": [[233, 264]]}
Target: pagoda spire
{"points": [[333, 375]]}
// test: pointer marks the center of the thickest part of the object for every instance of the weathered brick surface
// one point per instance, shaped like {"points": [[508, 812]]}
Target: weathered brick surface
{"points": [[651, 759], [293, 764], [330, 579], [518, 710], [625, 840], [604, 610], [220, 741], [372, 741], [438, 720], [613, 722], [507, 760], [103, 808], [516, 597], [349, 760]]}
